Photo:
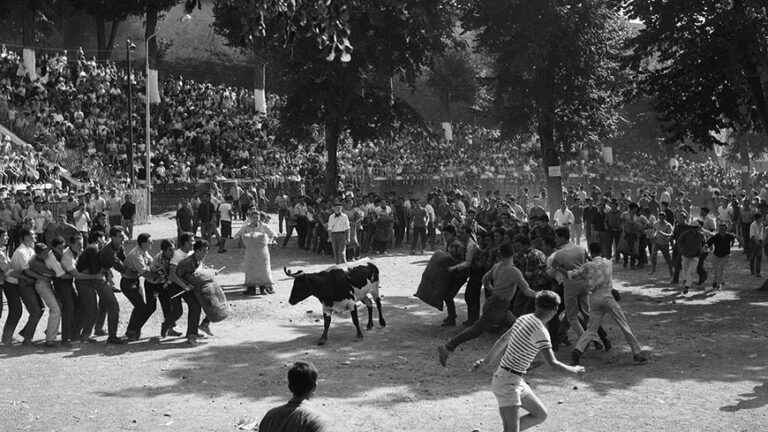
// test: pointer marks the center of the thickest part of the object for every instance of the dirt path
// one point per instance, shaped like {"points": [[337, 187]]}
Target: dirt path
{"points": [[709, 370]]}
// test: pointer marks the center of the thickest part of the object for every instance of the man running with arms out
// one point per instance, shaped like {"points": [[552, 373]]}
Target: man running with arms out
{"points": [[503, 280], [599, 275], [519, 347]]}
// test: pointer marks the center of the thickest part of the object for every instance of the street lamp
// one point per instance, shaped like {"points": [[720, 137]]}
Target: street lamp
{"points": [[130, 46]]}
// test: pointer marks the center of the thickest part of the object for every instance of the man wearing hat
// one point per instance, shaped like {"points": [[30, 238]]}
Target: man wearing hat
{"points": [[338, 230]]}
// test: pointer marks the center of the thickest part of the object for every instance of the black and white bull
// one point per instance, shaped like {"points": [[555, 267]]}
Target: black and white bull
{"points": [[340, 290]]}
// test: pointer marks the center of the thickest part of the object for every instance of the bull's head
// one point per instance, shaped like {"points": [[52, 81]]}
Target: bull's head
{"points": [[302, 286]]}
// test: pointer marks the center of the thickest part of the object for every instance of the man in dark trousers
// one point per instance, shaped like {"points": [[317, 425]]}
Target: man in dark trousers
{"points": [[182, 275], [206, 216], [184, 219], [128, 211], [297, 415], [111, 256]]}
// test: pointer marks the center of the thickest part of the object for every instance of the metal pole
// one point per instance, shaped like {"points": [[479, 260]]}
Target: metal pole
{"points": [[130, 115], [148, 145]]}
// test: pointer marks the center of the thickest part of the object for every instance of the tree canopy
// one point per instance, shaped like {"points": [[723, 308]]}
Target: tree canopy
{"points": [[557, 70], [344, 84], [705, 65]]}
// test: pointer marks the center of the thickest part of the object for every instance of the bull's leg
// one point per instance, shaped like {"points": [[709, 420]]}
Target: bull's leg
{"points": [[326, 324], [356, 321], [370, 316], [381, 317]]}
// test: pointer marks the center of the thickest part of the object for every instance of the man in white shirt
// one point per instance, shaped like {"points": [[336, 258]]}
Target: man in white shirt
{"points": [[225, 219], [98, 203], [725, 213], [23, 281], [82, 219], [563, 216], [338, 231]]}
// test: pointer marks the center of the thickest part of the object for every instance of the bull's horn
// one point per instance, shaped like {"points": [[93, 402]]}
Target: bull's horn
{"points": [[290, 273]]}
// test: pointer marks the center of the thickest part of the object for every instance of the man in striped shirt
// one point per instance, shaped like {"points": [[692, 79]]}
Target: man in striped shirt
{"points": [[514, 352]]}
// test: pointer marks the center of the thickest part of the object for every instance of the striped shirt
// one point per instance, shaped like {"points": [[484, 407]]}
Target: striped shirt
{"points": [[526, 338]]}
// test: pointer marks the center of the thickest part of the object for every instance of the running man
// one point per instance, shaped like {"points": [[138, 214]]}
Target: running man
{"points": [[503, 280], [599, 275], [519, 346]]}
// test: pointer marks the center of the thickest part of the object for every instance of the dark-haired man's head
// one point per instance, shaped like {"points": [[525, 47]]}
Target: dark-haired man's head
{"points": [[117, 235], [201, 249], [27, 237], [95, 238], [302, 380], [144, 241], [185, 241], [506, 250], [58, 244]]}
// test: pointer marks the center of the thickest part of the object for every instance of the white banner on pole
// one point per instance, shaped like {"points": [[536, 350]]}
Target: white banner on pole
{"points": [[608, 155], [154, 90], [260, 101], [28, 66], [447, 131]]}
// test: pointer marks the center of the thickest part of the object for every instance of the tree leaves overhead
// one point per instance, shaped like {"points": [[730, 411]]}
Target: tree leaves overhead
{"points": [[388, 38], [326, 22], [705, 63], [578, 43], [453, 78]]}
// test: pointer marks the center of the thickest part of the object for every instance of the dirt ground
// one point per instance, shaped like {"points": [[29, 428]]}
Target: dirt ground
{"points": [[708, 372]]}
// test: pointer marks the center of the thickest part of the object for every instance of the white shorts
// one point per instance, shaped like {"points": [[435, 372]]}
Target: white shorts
{"points": [[509, 389]]}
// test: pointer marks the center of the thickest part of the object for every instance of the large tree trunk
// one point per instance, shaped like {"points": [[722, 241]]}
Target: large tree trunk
{"points": [[750, 57], [332, 135], [259, 78], [152, 54], [29, 61], [101, 36], [546, 129], [110, 43]]}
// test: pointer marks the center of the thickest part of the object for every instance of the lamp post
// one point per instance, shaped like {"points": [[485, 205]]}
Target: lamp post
{"points": [[147, 143], [130, 46]]}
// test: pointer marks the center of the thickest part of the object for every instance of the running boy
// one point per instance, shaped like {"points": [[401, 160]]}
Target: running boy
{"points": [[519, 346]]}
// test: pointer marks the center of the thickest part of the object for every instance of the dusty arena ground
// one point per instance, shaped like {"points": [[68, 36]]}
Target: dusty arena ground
{"points": [[708, 372]]}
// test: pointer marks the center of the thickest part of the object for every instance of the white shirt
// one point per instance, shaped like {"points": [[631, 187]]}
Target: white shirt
{"points": [[665, 198], [725, 213], [564, 218], [68, 260], [179, 255], [20, 260], [338, 223], [82, 219], [225, 211]]}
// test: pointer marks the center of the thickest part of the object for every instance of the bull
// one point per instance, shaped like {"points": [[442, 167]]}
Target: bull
{"points": [[339, 290]]}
